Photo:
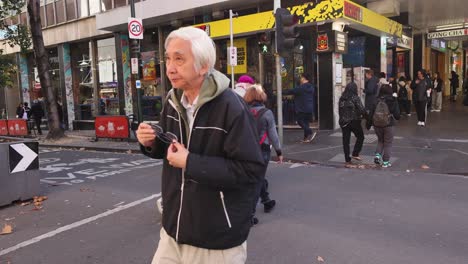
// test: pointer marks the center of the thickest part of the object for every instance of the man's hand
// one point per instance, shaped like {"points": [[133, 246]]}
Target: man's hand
{"points": [[177, 155], [145, 135]]}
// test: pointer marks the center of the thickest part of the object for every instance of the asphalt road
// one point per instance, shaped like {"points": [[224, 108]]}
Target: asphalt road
{"points": [[101, 209]]}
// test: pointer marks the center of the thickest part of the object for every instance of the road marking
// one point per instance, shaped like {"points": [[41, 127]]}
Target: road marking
{"points": [[452, 140], [459, 151], [312, 150], [296, 165], [77, 224]]}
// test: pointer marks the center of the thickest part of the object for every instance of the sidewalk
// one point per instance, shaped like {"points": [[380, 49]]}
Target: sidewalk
{"points": [[442, 145]]}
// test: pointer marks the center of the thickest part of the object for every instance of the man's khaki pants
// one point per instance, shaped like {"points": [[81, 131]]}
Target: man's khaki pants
{"points": [[170, 252]]}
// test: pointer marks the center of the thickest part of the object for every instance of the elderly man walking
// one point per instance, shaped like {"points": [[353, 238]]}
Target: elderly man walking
{"points": [[212, 162]]}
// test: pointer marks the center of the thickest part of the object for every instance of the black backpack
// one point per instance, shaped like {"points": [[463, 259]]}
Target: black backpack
{"points": [[382, 116], [257, 114], [346, 110]]}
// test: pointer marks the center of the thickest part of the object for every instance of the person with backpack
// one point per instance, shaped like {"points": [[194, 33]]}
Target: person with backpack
{"points": [[403, 101], [351, 111], [384, 115], [255, 98]]}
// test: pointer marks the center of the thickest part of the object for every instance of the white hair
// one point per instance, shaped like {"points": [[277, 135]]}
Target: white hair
{"points": [[203, 47]]}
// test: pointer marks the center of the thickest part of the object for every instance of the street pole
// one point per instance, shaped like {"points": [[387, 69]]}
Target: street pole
{"points": [[279, 88], [134, 54], [231, 36]]}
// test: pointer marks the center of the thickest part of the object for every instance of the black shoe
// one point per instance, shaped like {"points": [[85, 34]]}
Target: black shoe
{"points": [[268, 206], [254, 221]]}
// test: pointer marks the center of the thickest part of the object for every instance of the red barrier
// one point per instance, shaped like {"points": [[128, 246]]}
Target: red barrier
{"points": [[3, 128], [111, 127], [17, 127]]}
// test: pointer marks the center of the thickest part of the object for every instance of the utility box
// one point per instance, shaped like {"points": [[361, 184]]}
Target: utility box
{"points": [[19, 170]]}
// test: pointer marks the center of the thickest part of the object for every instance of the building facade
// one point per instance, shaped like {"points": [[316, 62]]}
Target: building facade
{"points": [[89, 53]]}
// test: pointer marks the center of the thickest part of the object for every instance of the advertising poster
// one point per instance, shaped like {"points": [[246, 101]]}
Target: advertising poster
{"points": [[148, 60], [241, 45]]}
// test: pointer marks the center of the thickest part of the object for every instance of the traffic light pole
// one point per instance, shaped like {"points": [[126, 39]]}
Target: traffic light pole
{"points": [[279, 83], [134, 54]]}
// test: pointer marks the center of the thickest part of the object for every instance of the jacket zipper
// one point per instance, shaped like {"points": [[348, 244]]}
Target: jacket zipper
{"points": [[183, 175], [221, 194], [183, 171]]}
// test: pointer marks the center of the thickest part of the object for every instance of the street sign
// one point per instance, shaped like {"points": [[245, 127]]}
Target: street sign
{"points": [[23, 157], [134, 65], [232, 55], [135, 28], [138, 84]]}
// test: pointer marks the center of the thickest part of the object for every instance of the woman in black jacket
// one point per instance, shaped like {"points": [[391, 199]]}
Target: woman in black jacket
{"points": [[351, 111], [385, 131]]}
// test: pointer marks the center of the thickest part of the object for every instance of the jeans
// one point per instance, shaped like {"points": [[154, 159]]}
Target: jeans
{"points": [[303, 120], [385, 141], [356, 128]]}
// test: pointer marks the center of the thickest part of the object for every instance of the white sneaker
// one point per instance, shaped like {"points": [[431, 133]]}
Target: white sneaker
{"points": [[419, 123], [423, 124]]}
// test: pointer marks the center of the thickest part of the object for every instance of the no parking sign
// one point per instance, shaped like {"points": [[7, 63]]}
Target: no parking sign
{"points": [[135, 28]]}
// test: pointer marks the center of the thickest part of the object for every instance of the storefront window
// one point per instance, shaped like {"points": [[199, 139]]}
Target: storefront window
{"points": [[108, 85], [60, 11], [70, 5], [82, 80], [153, 92]]}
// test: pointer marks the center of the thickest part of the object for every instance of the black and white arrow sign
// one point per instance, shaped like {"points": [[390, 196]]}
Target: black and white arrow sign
{"points": [[23, 157]]}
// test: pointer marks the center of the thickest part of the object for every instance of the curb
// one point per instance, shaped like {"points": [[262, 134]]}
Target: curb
{"points": [[113, 150]]}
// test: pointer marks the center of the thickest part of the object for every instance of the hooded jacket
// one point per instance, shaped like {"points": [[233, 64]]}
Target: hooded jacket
{"points": [[210, 203], [304, 97]]}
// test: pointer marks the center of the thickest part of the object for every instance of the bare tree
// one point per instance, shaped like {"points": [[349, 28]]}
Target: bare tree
{"points": [[43, 67]]}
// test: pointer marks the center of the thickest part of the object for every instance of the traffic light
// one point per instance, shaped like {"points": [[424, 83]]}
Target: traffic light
{"points": [[286, 31]]}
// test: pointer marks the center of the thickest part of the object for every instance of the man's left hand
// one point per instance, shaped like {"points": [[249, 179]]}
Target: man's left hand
{"points": [[177, 155]]}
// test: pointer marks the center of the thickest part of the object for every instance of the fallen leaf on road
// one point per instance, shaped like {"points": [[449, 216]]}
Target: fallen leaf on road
{"points": [[7, 229], [424, 167], [129, 151], [320, 259], [81, 149], [40, 198]]}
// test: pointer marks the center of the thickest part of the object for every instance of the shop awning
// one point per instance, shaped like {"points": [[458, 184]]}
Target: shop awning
{"points": [[348, 12]]}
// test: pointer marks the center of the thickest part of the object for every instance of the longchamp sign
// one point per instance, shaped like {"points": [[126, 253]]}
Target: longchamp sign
{"points": [[448, 34]]}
